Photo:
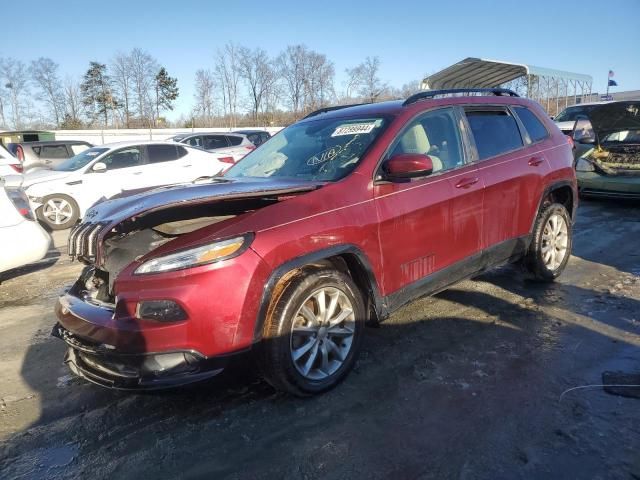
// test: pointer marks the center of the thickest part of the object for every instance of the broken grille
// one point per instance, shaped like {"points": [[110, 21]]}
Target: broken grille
{"points": [[83, 240]]}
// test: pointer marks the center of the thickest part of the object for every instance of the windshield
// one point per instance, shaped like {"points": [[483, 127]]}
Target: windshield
{"points": [[325, 150], [571, 114], [80, 160]]}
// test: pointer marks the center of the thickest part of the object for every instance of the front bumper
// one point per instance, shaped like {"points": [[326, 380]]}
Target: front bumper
{"points": [[612, 186], [100, 364]]}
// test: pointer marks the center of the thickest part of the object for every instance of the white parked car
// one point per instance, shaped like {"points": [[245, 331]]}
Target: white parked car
{"points": [[61, 196], [233, 146], [9, 165], [22, 239]]}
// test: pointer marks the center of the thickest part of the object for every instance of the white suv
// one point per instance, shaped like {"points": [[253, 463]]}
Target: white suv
{"points": [[62, 195], [231, 145]]}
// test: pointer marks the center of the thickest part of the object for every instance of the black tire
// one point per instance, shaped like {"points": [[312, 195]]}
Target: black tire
{"points": [[277, 347], [68, 222], [534, 260]]}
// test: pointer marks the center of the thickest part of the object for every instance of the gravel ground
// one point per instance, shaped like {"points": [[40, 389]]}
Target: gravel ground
{"points": [[474, 383]]}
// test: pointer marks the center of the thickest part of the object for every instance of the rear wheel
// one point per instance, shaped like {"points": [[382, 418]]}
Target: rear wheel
{"points": [[58, 212], [313, 334], [550, 247]]}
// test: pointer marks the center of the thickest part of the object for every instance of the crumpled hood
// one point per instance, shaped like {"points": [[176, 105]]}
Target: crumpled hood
{"points": [[119, 209], [40, 176], [615, 117]]}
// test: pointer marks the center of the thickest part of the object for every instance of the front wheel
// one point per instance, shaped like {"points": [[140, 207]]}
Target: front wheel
{"points": [[312, 336], [550, 247], [58, 212]]}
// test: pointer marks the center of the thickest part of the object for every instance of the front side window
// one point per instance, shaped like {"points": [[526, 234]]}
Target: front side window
{"points": [[81, 160], [162, 153], [571, 114], [125, 158], [324, 150], [194, 141], [434, 134], [495, 131], [532, 124], [215, 141]]}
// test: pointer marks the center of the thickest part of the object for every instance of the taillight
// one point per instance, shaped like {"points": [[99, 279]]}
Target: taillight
{"points": [[20, 153], [17, 168], [20, 201], [250, 147], [227, 160]]}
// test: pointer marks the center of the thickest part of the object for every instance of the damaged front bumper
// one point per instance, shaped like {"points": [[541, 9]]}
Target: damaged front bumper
{"points": [[102, 365]]}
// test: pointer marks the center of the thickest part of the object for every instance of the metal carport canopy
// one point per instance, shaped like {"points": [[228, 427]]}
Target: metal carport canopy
{"points": [[483, 73]]}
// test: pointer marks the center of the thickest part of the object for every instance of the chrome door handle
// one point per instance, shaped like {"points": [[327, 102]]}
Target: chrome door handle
{"points": [[535, 161], [467, 182]]}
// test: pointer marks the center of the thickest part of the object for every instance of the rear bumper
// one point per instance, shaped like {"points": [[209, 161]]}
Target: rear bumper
{"points": [[611, 186], [100, 364]]}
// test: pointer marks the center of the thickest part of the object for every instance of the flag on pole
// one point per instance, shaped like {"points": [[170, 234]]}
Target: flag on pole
{"points": [[610, 73], [613, 83]]}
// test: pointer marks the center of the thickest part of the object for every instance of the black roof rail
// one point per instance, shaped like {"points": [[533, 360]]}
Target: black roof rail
{"points": [[330, 109], [432, 93]]}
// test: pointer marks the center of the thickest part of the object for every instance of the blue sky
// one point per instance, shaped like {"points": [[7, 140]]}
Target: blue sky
{"points": [[410, 37]]}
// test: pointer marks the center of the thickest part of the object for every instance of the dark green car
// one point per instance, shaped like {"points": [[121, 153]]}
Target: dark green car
{"points": [[611, 168]]}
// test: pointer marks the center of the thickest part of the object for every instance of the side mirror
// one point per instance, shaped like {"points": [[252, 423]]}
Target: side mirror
{"points": [[407, 165], [99, 167], [583, 131]]}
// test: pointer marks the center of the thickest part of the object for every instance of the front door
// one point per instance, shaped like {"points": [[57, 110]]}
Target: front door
{"points": [[429, 224]]}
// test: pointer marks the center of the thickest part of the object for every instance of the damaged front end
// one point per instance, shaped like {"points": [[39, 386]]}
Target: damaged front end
{"points": [[612, 167], [146, 311]]}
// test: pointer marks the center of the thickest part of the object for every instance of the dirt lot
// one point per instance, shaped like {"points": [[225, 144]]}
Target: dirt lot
{"points": [[471, 384]]}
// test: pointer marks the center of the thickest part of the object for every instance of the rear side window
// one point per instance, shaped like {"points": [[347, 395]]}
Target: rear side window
{"points": [[532, 124], [162, 153], [215, 141], [54, 151], [235, 141], [194, 141], [494, 131]]}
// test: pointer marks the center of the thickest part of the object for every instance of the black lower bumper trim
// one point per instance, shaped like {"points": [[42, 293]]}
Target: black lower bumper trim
{"points": [[146, 371]]}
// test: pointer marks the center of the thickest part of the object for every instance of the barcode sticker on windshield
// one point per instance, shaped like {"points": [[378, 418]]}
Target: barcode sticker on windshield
{"points": [[354, 129]]}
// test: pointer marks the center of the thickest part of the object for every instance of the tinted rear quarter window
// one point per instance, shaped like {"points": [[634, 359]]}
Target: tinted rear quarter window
{"points": [[532, 124], [495, 131], [162, 153]]}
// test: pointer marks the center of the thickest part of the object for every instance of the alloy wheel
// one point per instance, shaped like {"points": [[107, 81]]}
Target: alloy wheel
{"points": [[57, 211], [322, 333], [555, 239]]}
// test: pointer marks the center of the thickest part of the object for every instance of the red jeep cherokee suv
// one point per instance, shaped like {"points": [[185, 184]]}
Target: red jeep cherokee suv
{"points": [[342, 217]]}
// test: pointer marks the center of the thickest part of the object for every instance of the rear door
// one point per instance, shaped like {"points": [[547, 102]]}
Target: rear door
{"points": [[430, 223], [52, 155], [166, 165], [511, 167]]}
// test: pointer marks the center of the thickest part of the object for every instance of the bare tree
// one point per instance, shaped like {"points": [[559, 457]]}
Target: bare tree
{"points": [[120, 69], [292, 65], [364, 78], [73, 107], [318, 81], [257, 70], [44, 73], [204, 96], [15, 77], [227, 71], [143, 71]]}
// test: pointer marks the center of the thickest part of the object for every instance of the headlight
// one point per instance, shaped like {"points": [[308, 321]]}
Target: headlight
{"points": [[583, 165], [194, 257]]}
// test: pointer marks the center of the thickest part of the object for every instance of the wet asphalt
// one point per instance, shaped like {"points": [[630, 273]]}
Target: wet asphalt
{"points": [[495, 378]]}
